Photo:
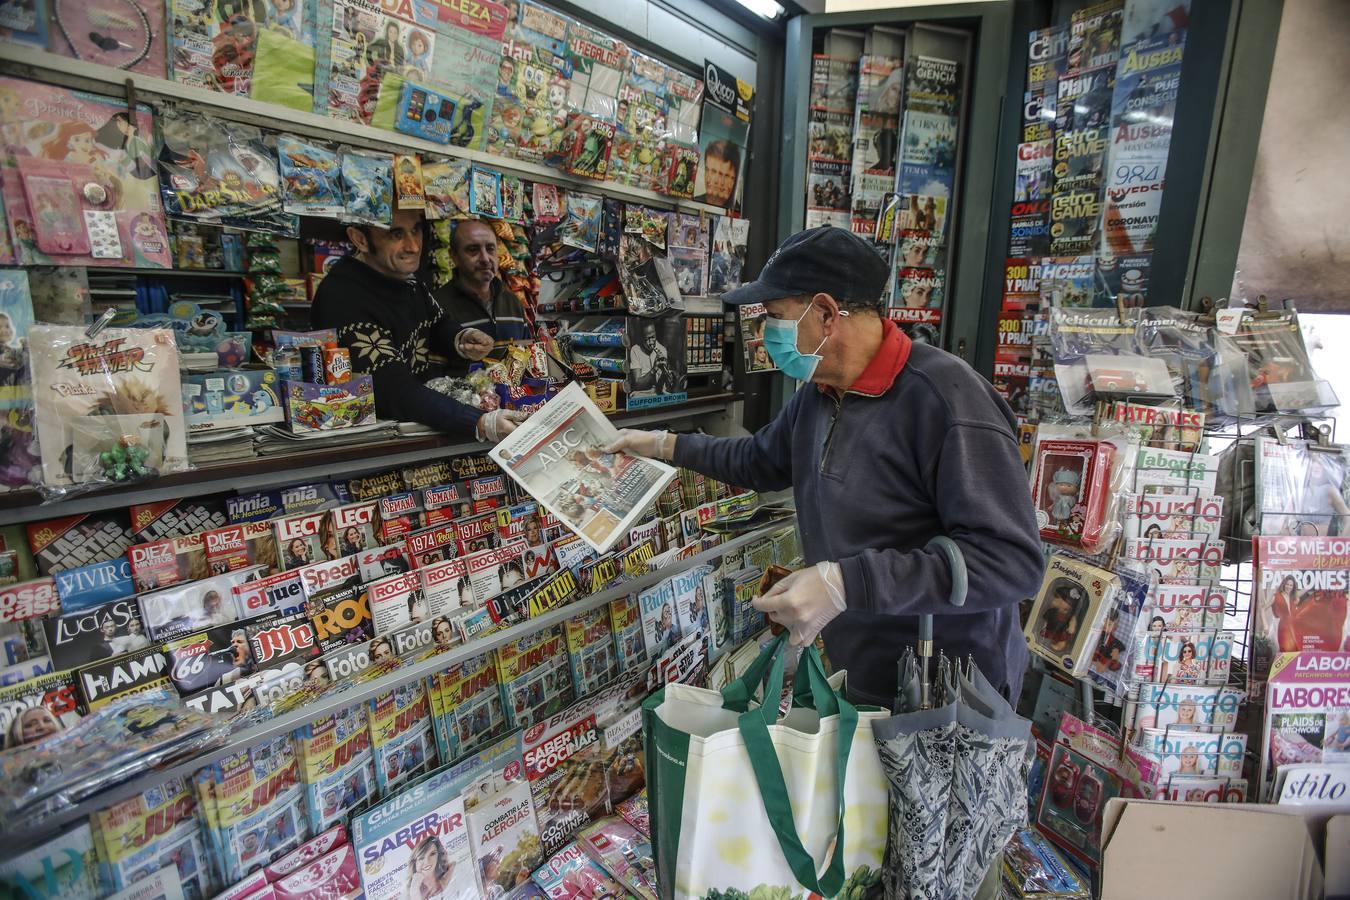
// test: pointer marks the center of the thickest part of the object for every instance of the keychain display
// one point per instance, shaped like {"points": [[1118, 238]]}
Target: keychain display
{"points": [[310, 175], [368, 187]]}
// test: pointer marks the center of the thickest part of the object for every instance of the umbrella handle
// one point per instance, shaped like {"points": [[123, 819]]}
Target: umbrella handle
{"points": [[960, 579]]}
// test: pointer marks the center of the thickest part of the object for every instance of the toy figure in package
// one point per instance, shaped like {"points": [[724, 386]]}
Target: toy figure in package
{"points": [[368, 187], [513, 199], [680, 176], [581, 227], [547, 204], [110, 409], [408, 182], [220, 173], [1070, 488], [586, 145], [79, 182], [310, 174]]}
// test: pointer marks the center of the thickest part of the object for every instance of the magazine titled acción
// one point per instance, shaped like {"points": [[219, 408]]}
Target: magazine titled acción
{"points": [[558, 457]]}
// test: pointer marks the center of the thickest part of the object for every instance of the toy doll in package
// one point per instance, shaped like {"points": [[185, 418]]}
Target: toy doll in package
{"points": [[368, 187], [1070, 489], [79, 182], [110, 406]]}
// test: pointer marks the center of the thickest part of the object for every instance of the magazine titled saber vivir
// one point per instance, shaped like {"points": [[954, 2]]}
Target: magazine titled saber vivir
{"points": [[556, 456]]}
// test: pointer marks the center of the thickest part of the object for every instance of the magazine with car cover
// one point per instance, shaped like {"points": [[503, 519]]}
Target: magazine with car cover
{"points": [[504, 835], [240, 546], [416, 843], [1194, 752], [1280, 375], [95, 634], [557, 457], [41, 706], [1307, 717], [167, 562], [1300, 599], [66, 867], [195, 606], [1198, 707]]}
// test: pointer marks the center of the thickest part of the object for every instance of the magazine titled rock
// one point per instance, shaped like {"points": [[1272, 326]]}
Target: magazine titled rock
{"points": [[494, 571], [381, 562], [351, 529], [396, 602], [1307, 713], [557, 457], [188, 608], [240, 546], [446, 588], [299, 539], [280, 592], [416, 843]]}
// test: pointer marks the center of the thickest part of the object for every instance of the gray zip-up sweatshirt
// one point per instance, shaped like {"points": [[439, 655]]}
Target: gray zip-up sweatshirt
{"points": [[875, 476]]}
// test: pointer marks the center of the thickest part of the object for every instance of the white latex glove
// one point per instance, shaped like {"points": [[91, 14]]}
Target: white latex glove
{"points": [[651, 444], [495, 425], [805, 601], [473, 344]]}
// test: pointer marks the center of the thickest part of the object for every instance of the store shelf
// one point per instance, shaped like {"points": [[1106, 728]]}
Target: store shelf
{"points": [[261, 473], [39, 65], [167, 273], [285, 724]]}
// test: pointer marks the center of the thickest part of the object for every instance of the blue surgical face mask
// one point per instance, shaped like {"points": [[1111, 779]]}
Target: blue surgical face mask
{"points": [[780, 339]]}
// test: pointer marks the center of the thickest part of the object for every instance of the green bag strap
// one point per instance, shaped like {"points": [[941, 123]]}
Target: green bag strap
{"points": [[811, 686], [778, 806], [738, 695]]}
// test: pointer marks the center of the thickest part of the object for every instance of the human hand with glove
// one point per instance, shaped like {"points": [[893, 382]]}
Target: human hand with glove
{"points": [[805, 601], [495, 425], [651, 444]]}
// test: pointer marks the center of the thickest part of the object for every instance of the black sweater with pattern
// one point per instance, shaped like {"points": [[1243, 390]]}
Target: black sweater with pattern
{"points": [[400, 336]]}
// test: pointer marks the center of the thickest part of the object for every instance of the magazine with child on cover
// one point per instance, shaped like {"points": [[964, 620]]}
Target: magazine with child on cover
{"points": [[558, 457]]}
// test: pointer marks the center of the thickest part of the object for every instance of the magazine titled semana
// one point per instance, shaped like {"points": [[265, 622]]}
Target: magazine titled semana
{"points": [[556, 456]]}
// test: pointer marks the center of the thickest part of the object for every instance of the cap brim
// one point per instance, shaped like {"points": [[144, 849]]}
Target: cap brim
{"points": [[757, 292]]}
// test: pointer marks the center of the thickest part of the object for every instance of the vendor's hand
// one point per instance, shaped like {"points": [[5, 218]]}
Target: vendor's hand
{"points": [[651, 444], [805, 601], [494, 426], [473, 344]]}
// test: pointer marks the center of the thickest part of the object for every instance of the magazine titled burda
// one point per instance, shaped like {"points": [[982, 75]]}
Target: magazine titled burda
{"points": [[116, 393], [416, 844], [1201, 789], [1172, 516], [1175, 560], [1181, 607], [1183, 657], [1180, 752], [1199, 707], [1300, 598], [1307, 712], [558, 458]]}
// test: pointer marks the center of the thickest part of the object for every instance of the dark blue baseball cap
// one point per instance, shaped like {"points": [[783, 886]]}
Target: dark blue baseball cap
{"points": [[824, 260]]}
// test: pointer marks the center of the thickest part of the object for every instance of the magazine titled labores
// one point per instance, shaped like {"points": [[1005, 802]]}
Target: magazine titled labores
{"points": [[557, 457]]}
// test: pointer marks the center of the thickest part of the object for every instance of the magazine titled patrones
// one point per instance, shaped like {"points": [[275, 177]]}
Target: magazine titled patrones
{"points": [[557, 457]]}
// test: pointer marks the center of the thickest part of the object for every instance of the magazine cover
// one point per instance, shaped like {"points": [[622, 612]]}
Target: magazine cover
{"points": [[211, 658], [566, 774], [132, 836], [730, 238], [590, 651], [117, 391], [1307, 713], [570, 873], [167, 562], [1185, 607], [1300, 599], [476, 532], [336, 766], [1202, 789], [416, 843], [280, 639], [240, 546], [556, 456], [504, 836], [1195, 753], [536, 680], [446, 588], [96, 634], [397, 602], [624, 852], [1172, 516], [322, 577], [281, 592], [1175, 560], [400, 735], [137, 672], [1183, 657], [1094, 35], [1298, 489], [299, 539], [660, 622], [933, 85], [493, 572], [29, 600], [471, 701], [65, 866], [39, 707], [381, 562], [432, 545], [340, 617], [196, 606], [1199, 707], [559, 590]]}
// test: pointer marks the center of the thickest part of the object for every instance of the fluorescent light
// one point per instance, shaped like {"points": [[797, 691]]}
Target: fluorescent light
{"points": [[766, 8]]}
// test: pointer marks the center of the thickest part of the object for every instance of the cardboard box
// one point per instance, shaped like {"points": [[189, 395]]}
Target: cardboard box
{"points": [[1243, 850], [231, 397]]}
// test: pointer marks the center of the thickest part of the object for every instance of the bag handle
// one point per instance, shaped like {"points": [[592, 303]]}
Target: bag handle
{"points": [[738, 694], [773, 788]]}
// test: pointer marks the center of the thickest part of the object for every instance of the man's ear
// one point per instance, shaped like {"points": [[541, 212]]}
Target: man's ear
{"points": [[829, 307], [358, 239]]}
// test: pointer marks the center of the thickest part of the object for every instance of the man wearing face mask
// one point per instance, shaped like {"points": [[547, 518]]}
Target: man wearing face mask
{"points": [[892, 444], [399, 334], [476, 297]]}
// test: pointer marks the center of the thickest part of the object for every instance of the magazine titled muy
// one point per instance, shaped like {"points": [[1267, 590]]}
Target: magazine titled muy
{"points": [[556, 456]]}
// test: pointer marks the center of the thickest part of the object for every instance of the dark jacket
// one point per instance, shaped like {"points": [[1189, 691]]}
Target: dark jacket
{"points": [[503, 319], [875, 476], [398, 334]]}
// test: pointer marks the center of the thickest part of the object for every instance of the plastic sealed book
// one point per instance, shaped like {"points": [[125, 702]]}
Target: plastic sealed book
{"points": [[1185, 657], [417, 843], [1298, 488], [337, 767], [1173, 516], [1280, 376], [1175, 560], [187, 608], [622, 851], [1300, 600], [1163, 471], [570, 874], [635, 812]]}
